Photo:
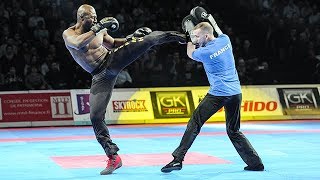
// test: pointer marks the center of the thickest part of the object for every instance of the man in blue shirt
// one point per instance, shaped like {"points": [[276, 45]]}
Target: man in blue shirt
{"points": [[225, 91]]}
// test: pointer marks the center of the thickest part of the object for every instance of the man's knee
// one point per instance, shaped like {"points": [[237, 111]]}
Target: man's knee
{"points": [[195, 124], [96, 117], [160, 37], [154, 36]]}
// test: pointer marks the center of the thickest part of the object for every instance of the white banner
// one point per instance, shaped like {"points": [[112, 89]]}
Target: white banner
{"points": [[126, 106]]}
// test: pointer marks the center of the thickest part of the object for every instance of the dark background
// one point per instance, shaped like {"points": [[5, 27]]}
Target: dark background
{"points": [[274, 42]]}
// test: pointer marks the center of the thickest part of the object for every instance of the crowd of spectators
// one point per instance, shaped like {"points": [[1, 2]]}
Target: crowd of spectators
{"points": [[288, 32], [285, 40]]}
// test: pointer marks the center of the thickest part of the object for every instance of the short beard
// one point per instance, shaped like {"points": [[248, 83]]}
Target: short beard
{"points": [[86, 27], [204, 44]]}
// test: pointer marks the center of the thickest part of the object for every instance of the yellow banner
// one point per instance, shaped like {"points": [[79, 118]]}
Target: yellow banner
{"points": [[257, 103], [130, 107]]}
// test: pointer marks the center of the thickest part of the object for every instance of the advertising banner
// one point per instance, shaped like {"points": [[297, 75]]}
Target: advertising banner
{"points": [[172, 104], [300, 101], [257, 103], [125, 106], [130, 106], [35, 107]]}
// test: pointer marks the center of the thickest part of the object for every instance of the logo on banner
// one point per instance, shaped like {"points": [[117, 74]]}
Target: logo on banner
{"points": [[299, 100], [252, 106], [0, 109], [61, 106], [173, 104], [83, 104], [129, 106], [200, 98]]}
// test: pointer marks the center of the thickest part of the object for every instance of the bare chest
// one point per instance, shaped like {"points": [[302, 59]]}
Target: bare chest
{"points": [[96, 42]]}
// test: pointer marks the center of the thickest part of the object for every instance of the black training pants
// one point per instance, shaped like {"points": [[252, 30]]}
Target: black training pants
{"points": [[209, 106], [104, 79]]}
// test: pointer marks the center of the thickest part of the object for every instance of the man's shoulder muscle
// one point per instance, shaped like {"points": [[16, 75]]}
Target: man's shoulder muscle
{"points": [[69, 31]]}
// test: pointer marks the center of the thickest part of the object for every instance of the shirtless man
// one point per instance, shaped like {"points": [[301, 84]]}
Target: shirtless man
{"points": [[104, 57]]}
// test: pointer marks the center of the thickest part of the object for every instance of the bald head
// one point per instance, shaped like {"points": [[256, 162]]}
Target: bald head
{"points": [[85, 10], [204, 27]]}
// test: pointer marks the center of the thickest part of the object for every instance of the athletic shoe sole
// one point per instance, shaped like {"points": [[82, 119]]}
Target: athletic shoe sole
{"points": [[167, 170]]}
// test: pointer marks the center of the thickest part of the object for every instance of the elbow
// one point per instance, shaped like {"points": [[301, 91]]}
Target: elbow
{"points": [[78, 45], [75, 46]]}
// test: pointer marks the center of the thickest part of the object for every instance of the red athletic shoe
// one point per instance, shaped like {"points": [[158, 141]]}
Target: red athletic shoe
{"points": [[114, 163]]}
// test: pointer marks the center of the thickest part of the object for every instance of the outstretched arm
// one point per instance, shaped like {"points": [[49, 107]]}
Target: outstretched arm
{"points": [[110, 42], [119, 41]]}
